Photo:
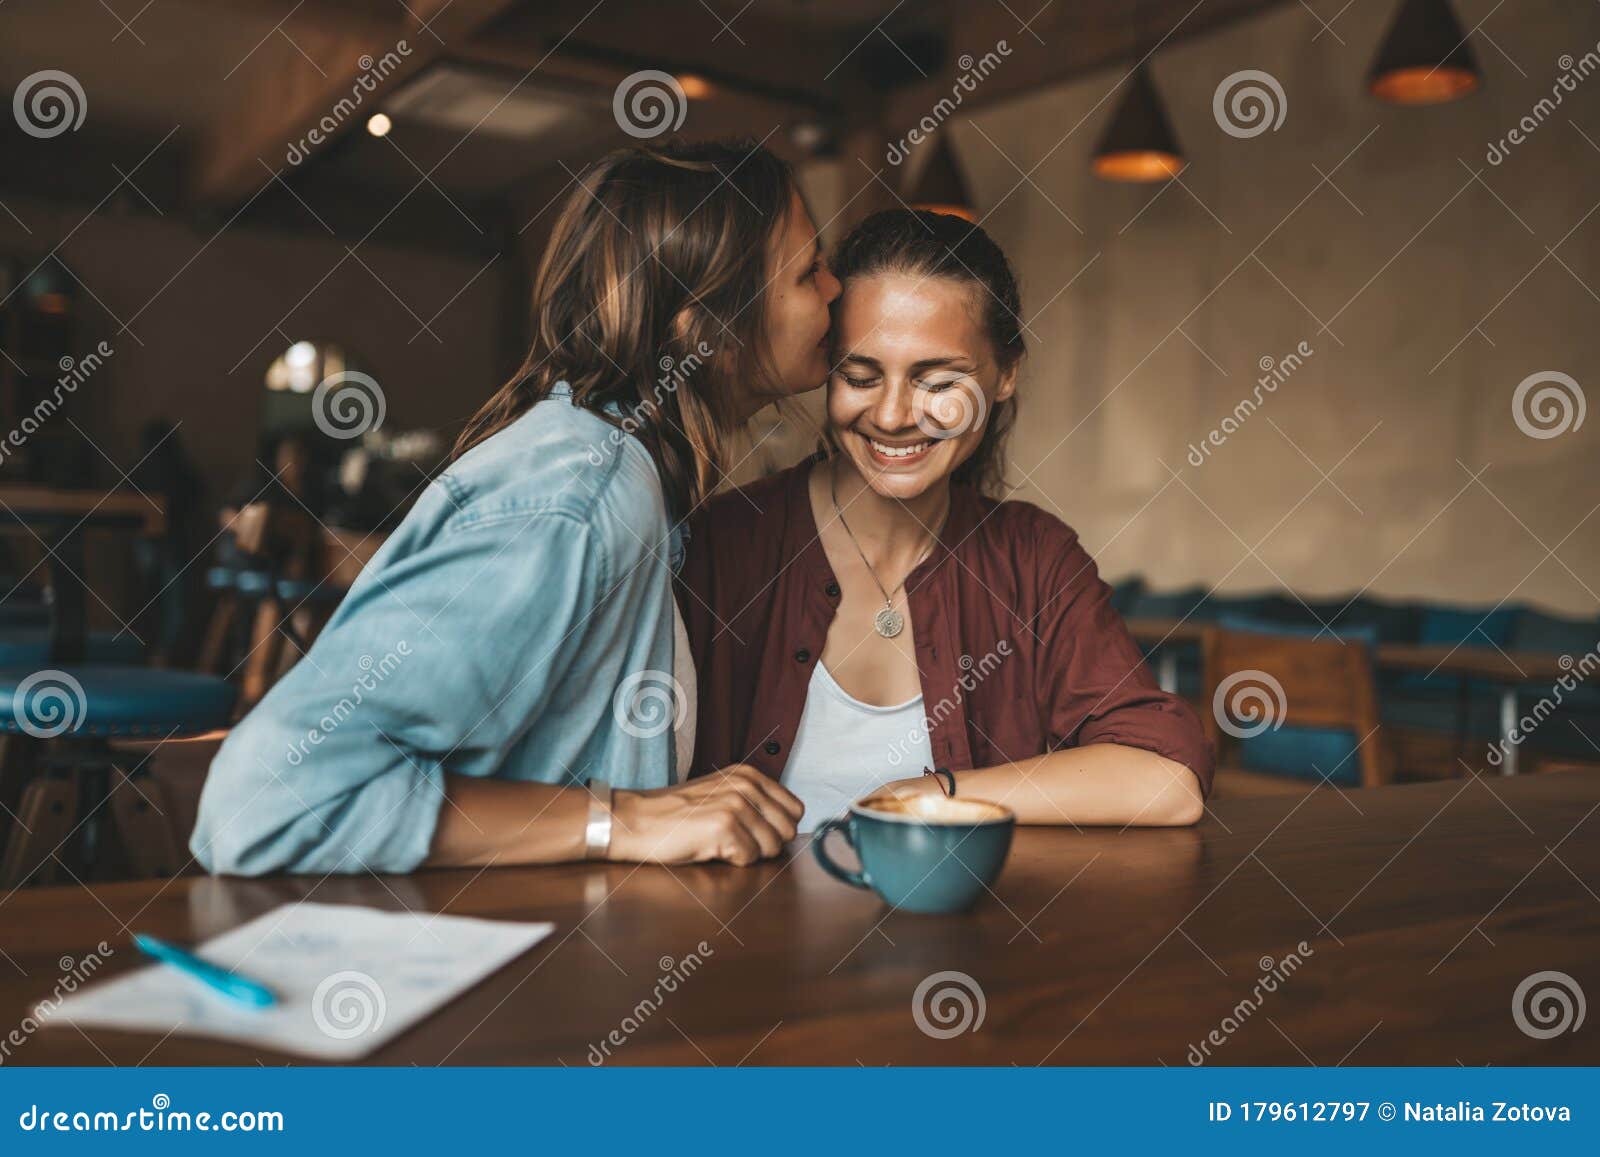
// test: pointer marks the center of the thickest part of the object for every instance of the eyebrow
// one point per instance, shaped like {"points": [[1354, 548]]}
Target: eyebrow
{"points": [[919, 364]]}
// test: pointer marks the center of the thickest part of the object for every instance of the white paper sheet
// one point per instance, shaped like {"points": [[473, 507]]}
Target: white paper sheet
{"points": [[348, 979]]}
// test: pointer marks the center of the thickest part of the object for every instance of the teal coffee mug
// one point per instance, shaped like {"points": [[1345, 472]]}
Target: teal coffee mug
{"points": [[921, 853]]}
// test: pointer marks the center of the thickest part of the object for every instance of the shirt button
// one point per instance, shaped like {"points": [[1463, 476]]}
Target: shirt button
{"points": [[772, 747], [802, 656], [831, 590]]}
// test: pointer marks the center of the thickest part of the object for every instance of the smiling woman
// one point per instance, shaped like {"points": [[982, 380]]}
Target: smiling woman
{"points": [[914, 619]]}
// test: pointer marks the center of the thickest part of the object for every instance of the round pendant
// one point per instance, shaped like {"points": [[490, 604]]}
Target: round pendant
{"points": [[889, 622]]}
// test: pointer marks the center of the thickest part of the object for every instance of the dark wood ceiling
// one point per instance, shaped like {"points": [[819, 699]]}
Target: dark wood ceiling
{"points": [[230, 81]]}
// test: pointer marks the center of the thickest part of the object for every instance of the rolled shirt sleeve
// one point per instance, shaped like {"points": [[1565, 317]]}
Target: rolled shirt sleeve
{"points": [[1097, 686]]}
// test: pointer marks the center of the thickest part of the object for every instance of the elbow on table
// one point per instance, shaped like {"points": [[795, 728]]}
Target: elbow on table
{"points": [[1181, 801], [253, 823], [1187, 809]]}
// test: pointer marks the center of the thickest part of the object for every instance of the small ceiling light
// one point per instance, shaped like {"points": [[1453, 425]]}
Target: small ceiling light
{"points": [[694, 86], [941, 188], [1425, 58], [814, 137], [1139, 144], [378, 124]]}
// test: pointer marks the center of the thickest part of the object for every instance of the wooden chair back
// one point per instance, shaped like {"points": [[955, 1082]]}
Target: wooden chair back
{"points": [[1308, 683]]}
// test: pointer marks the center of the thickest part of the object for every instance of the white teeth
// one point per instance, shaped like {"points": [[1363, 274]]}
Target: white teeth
{"points": [[899, 451]]}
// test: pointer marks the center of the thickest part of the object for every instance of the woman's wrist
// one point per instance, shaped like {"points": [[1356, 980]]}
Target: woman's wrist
{"points": [[624, 823], [915, 785]]}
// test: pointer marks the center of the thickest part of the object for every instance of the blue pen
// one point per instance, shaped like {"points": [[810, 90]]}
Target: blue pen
{"points": [[230, 984]]}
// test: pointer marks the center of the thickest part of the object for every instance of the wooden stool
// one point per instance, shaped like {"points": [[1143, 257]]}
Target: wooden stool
{"points": [[59, 772]]}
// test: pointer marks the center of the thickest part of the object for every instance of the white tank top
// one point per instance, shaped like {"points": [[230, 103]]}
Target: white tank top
{"points": [[846, 749], [683, 672]]}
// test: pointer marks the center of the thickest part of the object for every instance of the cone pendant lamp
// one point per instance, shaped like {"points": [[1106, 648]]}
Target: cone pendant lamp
{"points": [[1139, 144], [1425, 58], [941, 188]]}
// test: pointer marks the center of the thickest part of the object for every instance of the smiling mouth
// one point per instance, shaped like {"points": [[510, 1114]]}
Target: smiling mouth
{"points": [[900, 453]]}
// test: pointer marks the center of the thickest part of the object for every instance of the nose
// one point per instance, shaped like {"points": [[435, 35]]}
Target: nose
{"points": [[892, 412], [828, 285]]}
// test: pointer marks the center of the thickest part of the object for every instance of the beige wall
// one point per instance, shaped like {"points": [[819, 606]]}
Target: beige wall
{"points": [[1177, 298]]}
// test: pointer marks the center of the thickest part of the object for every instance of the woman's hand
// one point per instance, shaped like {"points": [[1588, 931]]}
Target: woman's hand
{"points": [[736, 814]]}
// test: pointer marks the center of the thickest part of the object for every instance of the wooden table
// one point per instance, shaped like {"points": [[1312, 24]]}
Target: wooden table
{"points": [[57, 518], [1422, 908], [1509, 670]]}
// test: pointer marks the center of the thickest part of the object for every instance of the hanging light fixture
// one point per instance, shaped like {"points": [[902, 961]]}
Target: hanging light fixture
{"points": [[1425, 58], [1139, 144], [941, 188]]}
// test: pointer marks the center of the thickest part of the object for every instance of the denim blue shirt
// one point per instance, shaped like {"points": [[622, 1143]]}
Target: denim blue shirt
{"points": [[517, 624]]}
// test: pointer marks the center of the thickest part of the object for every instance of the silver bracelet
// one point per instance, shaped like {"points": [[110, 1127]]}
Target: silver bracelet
{"points": [[597, 833]]}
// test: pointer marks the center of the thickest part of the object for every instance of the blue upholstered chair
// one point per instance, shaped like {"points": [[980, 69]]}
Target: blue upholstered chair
{"points": [[78, 802], [1315, 706], [1304, 752]]}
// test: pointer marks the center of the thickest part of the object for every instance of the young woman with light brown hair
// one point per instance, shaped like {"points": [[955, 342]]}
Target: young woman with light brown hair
{"points": [[887, 606], [534, 701]]}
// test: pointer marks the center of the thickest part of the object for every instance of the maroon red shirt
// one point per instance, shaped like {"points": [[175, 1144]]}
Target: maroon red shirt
{"points": [[1018, 647]]}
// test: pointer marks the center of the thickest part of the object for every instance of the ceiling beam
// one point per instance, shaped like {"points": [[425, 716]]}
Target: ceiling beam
{"points": [[317, 76]]}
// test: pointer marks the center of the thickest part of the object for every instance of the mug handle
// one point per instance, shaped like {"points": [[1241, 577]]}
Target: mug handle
{"points": [[842, 826]]}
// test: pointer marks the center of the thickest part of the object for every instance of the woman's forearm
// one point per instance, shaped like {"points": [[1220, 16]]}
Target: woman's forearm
{"points": [[498, 821], [1099, 784]]}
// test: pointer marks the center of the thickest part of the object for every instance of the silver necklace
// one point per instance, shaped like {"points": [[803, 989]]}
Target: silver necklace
{"points": [[887, 622]]}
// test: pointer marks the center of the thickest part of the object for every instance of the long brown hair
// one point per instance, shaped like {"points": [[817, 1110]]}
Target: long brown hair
{"points": [[925, 244], [649, 302]]}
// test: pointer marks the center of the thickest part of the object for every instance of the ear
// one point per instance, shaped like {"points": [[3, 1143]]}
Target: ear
{"points": [[1007, 386]]}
